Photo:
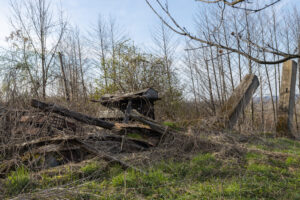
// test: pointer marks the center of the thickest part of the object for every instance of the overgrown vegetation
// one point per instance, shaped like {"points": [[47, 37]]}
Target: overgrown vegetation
{"points": [[185, 153], [255, 175]]}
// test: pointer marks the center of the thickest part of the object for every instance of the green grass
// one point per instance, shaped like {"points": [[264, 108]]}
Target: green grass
{"points": [[17, 181], [205, 176], [90, 168], [283, 145]]}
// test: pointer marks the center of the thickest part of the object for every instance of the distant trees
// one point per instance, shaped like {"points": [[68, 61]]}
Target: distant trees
{"points": [[73, 63], [124, 67], [165, 48], [36, 33], [107, 42], [213, 71], [215, 27], [48, 57]]}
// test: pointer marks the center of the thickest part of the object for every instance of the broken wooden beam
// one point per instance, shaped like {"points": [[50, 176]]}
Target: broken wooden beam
{"points": [[50, 107], [284, 125], [159, 128], [142, 101], [147, 123], [238, 101]]}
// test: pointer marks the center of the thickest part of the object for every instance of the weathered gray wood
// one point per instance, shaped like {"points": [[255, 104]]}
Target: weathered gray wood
{"points": [[284, 126], [147, 124], [127, 112], [238, 101], [50, 107], [142, 101], [147, 93], [161, 129]]}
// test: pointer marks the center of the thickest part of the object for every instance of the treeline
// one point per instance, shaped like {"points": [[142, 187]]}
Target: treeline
{"points": [[47, 57], [243, 42]]}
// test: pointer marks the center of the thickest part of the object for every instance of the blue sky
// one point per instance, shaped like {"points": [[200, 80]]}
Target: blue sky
{"points": [[133, 15]]}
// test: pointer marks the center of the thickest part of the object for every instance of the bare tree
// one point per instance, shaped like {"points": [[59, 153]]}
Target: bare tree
{"points": [[181, 30], [238, 4], [44, 32]]}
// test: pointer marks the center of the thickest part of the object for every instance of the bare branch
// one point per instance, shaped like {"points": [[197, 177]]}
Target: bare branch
{"points": [[182, 31]]}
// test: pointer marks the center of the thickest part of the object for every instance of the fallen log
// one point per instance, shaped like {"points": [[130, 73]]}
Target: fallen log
{"points": [[50, 107], [149, 124]]}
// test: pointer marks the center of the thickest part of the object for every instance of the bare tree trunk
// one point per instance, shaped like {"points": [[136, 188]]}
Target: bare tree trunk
{"points": [[250, 65], [261, 101], [276, 46], [189, 64], [43, 57], [215, 74], [268, 76], [210, 88], [81, 69], [35, 20], [67, 94], [33, 82], [228, 58], [271, 93]]}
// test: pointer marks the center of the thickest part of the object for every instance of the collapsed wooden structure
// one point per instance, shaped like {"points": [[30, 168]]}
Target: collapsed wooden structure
{"points": [[57, 136], [137, 107], [142, 101], [58, 131]]}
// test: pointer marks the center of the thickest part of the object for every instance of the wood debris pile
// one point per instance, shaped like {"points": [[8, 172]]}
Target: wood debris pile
{"points": [[51, 135]]}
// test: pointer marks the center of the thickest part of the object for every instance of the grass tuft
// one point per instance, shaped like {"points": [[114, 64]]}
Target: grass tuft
{"points": [[17, 181]]}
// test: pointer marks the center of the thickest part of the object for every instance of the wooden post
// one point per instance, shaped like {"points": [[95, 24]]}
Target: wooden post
{"points": [[284, 125], [238, 101]]}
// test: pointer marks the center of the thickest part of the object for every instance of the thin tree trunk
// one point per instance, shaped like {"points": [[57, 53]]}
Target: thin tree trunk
{"points": [[193, 82], [81, 70], [261, 101], [250, 66], [67, 94], [228, 58]]}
